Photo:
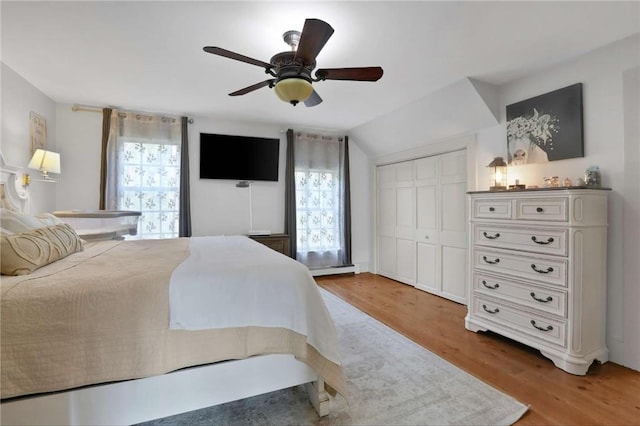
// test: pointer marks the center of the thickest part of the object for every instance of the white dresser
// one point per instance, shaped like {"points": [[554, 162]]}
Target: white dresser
{"points": [[537, 271]]}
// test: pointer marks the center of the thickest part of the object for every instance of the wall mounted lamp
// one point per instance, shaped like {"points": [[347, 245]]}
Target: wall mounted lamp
{"points": [[46, 162]]}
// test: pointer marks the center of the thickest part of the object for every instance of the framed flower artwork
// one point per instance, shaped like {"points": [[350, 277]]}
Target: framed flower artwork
{"points": [[546, 128]]}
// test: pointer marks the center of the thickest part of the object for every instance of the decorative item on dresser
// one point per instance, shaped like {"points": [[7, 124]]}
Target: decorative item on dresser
{"points": [[277, 242], [537, 271], [497, 174]]}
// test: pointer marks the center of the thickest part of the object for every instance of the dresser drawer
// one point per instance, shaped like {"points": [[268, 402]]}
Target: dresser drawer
{"points": [[543, 269], [492, 209], [538, 326], [539, 240], [277, 242], [526, 294], [547, 209]]}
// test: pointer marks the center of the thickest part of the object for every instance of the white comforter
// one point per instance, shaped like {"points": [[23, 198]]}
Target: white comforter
{"points": [[233, 281]]}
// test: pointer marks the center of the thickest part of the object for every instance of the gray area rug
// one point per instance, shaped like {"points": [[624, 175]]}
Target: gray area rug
{"points": [[391, 380]]}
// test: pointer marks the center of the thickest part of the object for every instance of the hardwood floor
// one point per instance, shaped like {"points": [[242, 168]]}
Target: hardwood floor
{"points": [[609, 394]]}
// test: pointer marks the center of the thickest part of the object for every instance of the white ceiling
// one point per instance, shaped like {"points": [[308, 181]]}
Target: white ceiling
{"points": [[148, 56]]}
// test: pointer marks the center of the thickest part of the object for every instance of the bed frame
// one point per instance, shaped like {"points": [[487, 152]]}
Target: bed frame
{"points": [[150, 398], [140, 400]]}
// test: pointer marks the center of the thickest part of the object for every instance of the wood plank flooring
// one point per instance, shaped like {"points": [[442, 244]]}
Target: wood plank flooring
{"points": [[608, 395]]}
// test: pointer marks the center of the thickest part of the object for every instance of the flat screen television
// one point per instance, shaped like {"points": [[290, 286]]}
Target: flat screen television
{"points": [[238, 157]]}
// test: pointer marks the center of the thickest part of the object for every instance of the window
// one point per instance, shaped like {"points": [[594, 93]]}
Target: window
{"points": [[317, 210], [149, 182]]}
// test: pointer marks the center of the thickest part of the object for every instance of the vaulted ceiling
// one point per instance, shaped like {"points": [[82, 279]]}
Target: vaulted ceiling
{"points": [[148, 55]]}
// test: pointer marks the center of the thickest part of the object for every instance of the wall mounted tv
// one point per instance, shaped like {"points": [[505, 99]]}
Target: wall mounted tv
{"points": [[238, 157]]}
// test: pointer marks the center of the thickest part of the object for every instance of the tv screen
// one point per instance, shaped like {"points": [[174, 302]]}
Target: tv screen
{"points": [[238, 157]]}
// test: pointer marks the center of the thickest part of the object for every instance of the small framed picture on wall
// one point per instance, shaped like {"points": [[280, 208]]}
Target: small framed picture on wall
{"points": [[38, 127]]}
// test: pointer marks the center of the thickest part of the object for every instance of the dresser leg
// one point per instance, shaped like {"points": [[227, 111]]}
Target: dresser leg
{"points": [[472, 326], [576, 365]]}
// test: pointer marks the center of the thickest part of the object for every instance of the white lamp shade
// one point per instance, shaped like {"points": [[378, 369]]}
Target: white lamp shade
{"points": [[293, 90], [45, 161]]}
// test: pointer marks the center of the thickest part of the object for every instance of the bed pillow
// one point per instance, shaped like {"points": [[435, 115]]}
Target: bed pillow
{"points": [[19, 222], [23, 253], [4, 231], [48, 219]]}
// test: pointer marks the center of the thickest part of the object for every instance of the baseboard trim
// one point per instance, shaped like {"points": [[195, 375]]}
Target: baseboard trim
{"points": [[351, 269]]}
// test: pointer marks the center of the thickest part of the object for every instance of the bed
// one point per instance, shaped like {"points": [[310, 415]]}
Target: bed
{"points": [[120, 332]]}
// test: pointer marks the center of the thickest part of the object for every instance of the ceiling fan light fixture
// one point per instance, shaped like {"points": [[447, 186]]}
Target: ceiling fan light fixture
{"points": [[293, 90]]}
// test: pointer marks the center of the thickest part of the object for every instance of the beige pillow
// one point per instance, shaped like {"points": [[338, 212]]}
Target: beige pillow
{"points": [[25, 252]]}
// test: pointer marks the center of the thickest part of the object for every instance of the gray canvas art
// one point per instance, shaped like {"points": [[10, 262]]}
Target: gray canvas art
{"points": [[546, 127]]}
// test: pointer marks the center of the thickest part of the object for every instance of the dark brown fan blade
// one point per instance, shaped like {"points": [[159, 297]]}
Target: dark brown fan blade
{"points": [[252, 88], [238, 57], [315, 34], [356, 74], [313, 100]]}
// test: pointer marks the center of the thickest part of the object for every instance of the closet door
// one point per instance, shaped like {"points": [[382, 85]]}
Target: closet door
{"points": [[405, 223], [386, 220], [453, 225], [441, 239], [421, 224], [426, 234]]}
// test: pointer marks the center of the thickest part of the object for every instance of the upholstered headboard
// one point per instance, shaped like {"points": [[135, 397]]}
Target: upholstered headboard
{"points": [[12, 195]]}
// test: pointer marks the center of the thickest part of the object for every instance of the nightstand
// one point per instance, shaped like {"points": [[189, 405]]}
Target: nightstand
{"points": [[277, 242], [99, 225]]}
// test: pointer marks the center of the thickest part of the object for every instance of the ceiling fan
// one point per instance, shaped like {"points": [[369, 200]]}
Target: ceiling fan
{"points": [[291, 71]]}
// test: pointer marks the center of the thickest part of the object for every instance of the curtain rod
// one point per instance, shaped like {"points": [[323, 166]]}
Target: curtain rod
{"points": [[315, 129], [89, 108]]}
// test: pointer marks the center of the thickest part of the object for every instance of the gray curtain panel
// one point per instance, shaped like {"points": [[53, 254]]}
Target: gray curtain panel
{"points": [[185, 197], [318, 199], [106, 125], [346, 225], [290, 196]]}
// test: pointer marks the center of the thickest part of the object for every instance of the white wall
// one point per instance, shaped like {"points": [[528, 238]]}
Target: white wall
{"points": [[217, 206], [79, 137], [631, 213], [601, 73], [362, 178], [19, 99]]}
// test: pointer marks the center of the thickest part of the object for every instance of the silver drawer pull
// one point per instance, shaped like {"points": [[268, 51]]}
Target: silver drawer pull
{"points": [[495, 311], [541, 271], [547, 300], [549, 240], [490, 287], [491, 262], [491, 237], [547, 328]]}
